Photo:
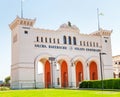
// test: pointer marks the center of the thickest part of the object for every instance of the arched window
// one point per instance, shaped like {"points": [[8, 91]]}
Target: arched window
{"points": [[54, 40], [58, 41], [50, 40], [74, 40], [69, 40], [64, 40], [41, 39], [93, 44], [37, 38], [46, 39], [96, 44], [87, 43], [84, 43], [80, 43]]}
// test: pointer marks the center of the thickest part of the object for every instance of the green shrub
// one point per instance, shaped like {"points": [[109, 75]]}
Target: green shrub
{"points": [[4, 88], [107, 84]]}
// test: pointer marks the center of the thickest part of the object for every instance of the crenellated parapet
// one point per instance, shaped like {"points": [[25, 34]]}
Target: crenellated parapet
{"points": [[22, 21], [102, 32]]}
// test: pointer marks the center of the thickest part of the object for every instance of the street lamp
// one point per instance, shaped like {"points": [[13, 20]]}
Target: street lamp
{"points": [[101, 69]]}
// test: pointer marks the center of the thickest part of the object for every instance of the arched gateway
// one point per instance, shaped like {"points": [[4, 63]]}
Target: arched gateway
{"points": [[93, 71], [47, 73], [79, 73], [64, 74], [67, 45]]}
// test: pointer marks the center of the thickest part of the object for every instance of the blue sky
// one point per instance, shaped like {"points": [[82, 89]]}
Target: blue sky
{"points": [[50, 14]]}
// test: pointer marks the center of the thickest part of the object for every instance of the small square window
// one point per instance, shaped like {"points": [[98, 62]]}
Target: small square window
{"points": [[25, 32], [106, 41]]}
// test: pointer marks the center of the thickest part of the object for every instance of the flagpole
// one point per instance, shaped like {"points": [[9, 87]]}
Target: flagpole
{"points": [[98, 19], [21, 8]]}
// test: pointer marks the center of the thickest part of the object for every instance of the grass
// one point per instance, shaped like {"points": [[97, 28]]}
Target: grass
{"points": [[58, 93]]}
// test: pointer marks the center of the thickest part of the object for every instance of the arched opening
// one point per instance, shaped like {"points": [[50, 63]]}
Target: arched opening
{"points": [[79, 73], [69, 40], [93, 71], [64, 40], [54, 40], [74, 40], [64, 74], [46, 39], [41, 39], [47, 72], [37, 39]]}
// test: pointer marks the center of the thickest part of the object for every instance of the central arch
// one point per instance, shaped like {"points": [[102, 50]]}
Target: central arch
{"points": [[47, 72], [93, 71], [64, 74], [79, 73]]}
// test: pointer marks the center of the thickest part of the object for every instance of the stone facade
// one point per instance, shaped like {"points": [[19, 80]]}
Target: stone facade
{"points": [[66, 56]]}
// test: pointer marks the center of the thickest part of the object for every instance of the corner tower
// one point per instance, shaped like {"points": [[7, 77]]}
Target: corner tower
{"points": [[105, 45], [21, 29]]}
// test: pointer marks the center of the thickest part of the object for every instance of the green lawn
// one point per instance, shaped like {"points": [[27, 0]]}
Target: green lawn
{"points": [[58, 93]]}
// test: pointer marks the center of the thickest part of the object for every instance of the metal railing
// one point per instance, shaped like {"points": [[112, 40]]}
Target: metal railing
{"points": [[39, 85]]}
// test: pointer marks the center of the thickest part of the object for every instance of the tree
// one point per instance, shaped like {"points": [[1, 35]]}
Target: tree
{"points": [[7, 80]]}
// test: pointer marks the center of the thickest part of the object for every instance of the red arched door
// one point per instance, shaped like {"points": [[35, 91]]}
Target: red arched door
{"points": [[79, 73], [93, 71], [64, 74], [47, 74]]}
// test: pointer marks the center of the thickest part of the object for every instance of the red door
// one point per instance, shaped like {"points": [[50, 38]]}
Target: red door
{"points": [[79, 73], [93, 71], [47, 75], [64, 74]]}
